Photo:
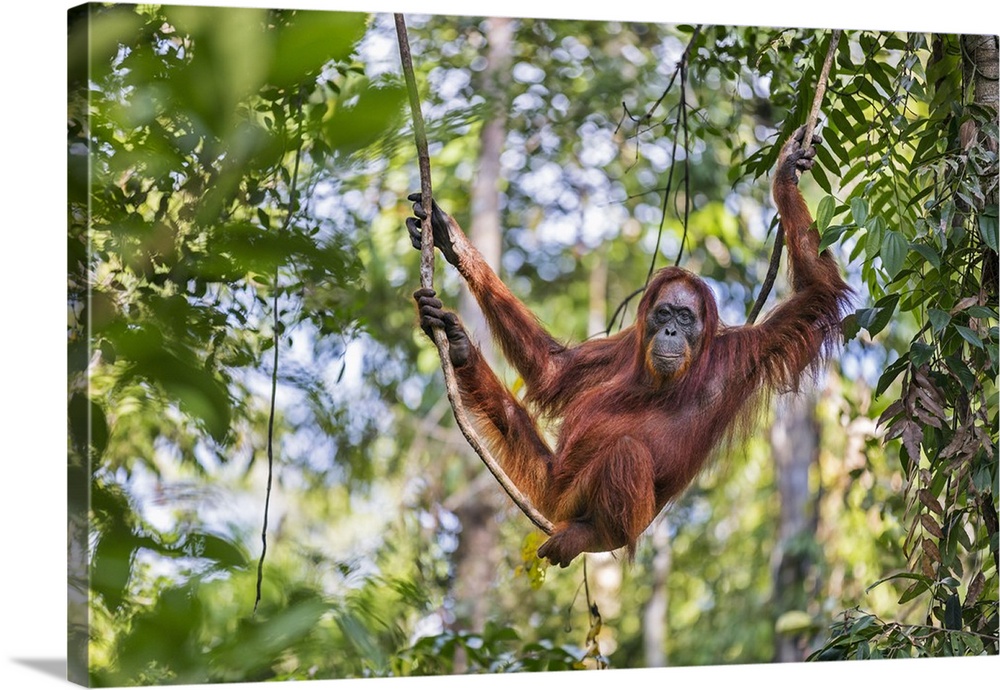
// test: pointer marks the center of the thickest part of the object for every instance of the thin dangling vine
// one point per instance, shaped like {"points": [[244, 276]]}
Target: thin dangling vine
{"points": [[292, 200]]}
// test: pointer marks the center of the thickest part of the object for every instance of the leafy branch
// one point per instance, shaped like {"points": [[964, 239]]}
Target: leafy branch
{"points": [[779, 238]]}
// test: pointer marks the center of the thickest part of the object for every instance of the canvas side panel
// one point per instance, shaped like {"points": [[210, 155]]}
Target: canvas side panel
{"points": [[80, 409]]}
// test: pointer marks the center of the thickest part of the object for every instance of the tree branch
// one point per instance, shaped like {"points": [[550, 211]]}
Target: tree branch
{"points": [[772, 273]]}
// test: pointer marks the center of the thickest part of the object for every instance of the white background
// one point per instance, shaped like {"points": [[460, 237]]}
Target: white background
{"points": [[32, 286]]}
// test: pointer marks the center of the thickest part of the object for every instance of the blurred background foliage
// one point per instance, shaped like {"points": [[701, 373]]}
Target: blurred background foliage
{"points": [[226, 162]]}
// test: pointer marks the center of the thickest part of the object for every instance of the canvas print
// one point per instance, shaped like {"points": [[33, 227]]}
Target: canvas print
{"points": [[424, 345]]}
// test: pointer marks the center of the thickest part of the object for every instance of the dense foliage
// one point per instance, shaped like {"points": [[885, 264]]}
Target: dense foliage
{"points": [[236, 217]]}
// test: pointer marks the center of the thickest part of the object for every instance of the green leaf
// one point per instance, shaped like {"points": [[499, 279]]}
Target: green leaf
{"points": [[879, 73], [866, 316], [831, 235], [920, 353], [873, 242], [312, 39], [939, 319], [859, 210], [982, 479], [862, 624], [953, 613], [849, 327], [893, 254], [819, 175], [376, 113], [915, 590], [833, 142], [961, 370], [856, 251], [878, 317], [891, 373], [824, 213], [988, 227], [855, 111], [980, 312], [889, 301], [921, 584], [928, 253], [970, 336]]}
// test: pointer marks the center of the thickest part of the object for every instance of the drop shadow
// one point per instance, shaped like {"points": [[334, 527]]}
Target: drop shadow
{"points": [[50, 667]]}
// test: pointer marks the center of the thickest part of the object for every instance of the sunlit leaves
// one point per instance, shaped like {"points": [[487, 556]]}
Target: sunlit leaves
{"points": [[531, 566], [498, 649], [258, 641]]}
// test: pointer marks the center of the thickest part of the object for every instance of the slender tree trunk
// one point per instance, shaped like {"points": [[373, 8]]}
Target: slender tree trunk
{"points": [[981, 65], [597, 312], [484, 230], [654, 615], [477, 557], [795, 445]]}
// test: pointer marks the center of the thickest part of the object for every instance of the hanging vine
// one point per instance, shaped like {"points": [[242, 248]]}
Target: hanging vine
{"points": [[427, 281], [277, 326]]}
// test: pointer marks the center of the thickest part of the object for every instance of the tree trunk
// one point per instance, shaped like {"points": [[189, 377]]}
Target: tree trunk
{"points": [[477, 557], [654, 616], [981, 65], [484, 229], [982, 55], [597, 312], [795, 445]]}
